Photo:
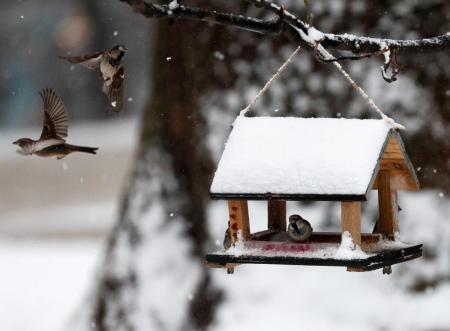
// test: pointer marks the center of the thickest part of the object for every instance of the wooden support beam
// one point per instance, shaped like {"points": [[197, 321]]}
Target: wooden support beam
{"points": [[387, 203], [351, 220], [276, 211], [395, 210], [239, 221]]}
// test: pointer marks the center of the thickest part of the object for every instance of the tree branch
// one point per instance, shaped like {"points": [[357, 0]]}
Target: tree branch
{"points": [[299, 32], [358, 44], [150, 10]]}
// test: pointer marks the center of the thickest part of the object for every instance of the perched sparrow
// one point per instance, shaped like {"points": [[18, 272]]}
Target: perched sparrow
{"points": [[227, 237], [51, 143], [111, 70], [299, 229]]}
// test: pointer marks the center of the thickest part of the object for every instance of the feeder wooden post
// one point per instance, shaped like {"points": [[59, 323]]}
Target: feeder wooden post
{"points": [[238, 212], [351, 220], [388, 208], [276, 212]]}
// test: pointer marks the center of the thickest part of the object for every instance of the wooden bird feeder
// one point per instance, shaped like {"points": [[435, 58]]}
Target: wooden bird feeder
{"points": [[281, 159]]}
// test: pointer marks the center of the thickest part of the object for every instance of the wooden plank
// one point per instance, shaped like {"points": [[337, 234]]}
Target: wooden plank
{"points": [[316, 237], [395, 160], [239, 221], [394, 165], [386, 204], [400, 180], [351, 220], [276, 211], [378, 260], [395, 210]]}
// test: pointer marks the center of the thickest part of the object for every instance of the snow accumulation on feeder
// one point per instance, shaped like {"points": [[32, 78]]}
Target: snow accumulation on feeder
{"points": [[323, 159]]}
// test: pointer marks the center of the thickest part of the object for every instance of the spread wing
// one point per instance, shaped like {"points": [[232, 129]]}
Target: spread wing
{"points": [[115, 90], [56, 120], [91, 60]]}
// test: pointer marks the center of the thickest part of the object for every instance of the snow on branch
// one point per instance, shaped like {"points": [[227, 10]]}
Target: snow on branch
{"points": [[178, 11], [353, 43], [299, 32]]}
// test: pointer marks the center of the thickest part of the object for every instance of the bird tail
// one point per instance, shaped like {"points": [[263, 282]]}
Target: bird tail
{"points": [[83, 149]]}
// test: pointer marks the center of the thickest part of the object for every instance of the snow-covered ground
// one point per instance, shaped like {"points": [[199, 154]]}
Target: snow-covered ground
{"points": [[51, 248], [44, 281]]}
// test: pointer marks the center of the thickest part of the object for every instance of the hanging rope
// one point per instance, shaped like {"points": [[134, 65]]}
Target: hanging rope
{"points": [[275, 76], [358, 89], [344, 73]]}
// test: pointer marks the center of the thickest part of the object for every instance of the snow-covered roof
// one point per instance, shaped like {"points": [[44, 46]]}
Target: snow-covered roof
{"points": [[296, 158]]}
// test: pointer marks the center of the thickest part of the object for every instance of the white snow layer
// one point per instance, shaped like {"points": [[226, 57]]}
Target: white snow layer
{"points": [[287, 155], [348, 250]]}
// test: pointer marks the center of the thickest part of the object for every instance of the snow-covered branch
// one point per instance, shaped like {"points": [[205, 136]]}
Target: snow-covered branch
{"points": [[353, 43], [300, 32], [174, 10]]}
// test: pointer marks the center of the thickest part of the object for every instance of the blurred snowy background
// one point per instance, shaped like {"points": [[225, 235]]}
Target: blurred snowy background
{"points": [[56, 216]]}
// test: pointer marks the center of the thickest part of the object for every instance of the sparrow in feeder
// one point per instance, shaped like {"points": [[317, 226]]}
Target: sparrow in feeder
{"points": [[111, 69], [227, 237], [299, 229], [51, 143]]}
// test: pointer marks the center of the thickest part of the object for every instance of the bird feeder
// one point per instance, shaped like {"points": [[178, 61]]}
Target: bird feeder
{"points": [[282, 159]]}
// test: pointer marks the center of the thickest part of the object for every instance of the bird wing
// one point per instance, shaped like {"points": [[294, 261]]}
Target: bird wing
{"points": [[56, 120], [91, 60], [115, 90]]}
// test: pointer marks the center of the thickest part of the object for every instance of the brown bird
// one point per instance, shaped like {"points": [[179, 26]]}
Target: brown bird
{"points": [[111, 70], [299, 229], [51, 143]]}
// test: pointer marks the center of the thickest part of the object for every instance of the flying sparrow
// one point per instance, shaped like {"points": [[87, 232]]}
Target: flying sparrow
{"points": [[111, 70], [51, 143], [299, 229]]}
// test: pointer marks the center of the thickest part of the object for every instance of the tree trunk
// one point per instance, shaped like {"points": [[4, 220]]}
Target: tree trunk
{"points": [[154, 277]]}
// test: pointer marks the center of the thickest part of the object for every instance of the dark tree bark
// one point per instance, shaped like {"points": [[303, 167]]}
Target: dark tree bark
{"points": [[172, 175]]}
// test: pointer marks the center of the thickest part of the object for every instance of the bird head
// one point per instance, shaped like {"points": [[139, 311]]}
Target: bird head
{"points": [[118, 51], [295, 218], [25, 146]]}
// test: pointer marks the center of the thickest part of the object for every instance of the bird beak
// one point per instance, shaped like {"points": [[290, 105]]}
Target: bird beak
{"points": [[15, 143], [125, 48]]}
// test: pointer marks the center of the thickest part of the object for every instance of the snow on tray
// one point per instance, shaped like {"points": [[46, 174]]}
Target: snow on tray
{"points": [[286, 155], [347, 250], [317, 251]]}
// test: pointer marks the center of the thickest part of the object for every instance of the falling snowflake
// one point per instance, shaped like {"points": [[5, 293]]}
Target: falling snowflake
{"points": [[114, 104], [190, 297], [65, 166], [338, 114], [81, 180], [168, 58], [219, 55], [115, 33], [441, 195], [22, 17], [419, 168], [171, 214], [434, 170], [276, 110], [130, 99], [173, 5]]}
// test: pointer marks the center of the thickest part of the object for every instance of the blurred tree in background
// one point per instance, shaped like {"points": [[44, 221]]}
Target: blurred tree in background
{"points": [[202, 76], [33, 34]]}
